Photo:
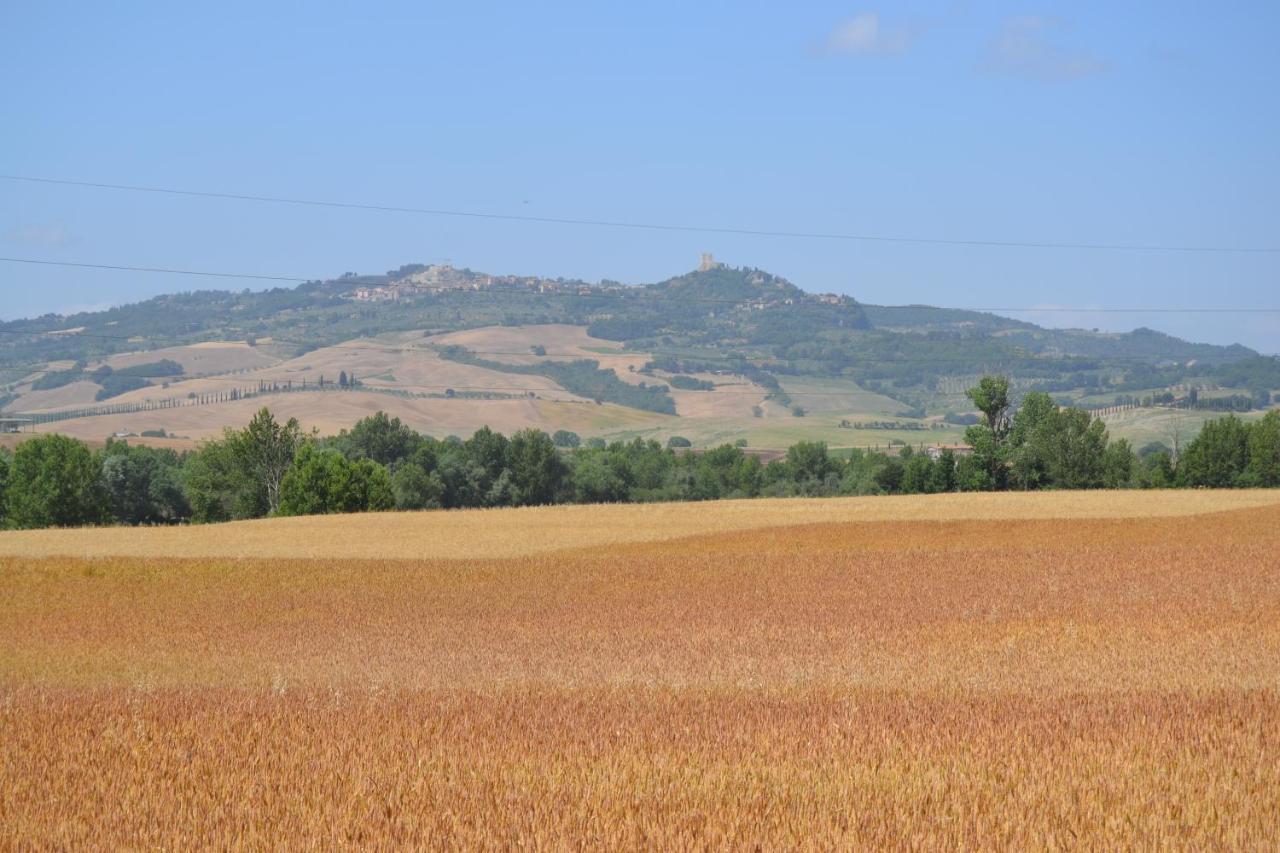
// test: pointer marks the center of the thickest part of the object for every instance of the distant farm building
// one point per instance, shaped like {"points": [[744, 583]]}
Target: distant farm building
{"points": [[935, 450]]}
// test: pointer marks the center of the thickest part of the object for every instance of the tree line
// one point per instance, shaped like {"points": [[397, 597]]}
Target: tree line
{"points": [[276, 468]]}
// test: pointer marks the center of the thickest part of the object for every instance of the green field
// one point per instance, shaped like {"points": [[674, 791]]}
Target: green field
{"points": [[1144, 426], [781, 432], [844, 396]]}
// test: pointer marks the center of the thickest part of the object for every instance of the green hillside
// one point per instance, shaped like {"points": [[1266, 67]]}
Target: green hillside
{"points": [[727, 320]]}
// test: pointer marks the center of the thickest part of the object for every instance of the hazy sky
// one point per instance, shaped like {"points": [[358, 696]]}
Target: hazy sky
{"points": [[1148, 123]]}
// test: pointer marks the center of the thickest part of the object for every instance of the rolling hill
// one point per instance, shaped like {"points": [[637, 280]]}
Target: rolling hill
{"points": [[718, 354]]}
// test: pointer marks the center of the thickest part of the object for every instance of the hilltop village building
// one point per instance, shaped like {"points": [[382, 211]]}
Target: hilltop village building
{"points": [[445, 278]]}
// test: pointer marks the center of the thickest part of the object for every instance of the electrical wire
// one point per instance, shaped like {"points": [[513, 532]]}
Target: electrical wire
{"points": [[644, 226]]}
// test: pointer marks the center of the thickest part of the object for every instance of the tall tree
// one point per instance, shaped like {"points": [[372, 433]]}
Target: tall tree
{"points": [[381, 438], [488, 449], [1028, 450], [264, 450], [1117, 464], [988, 439], [991, 396], [216, 486], [537, 472], [1074, 442], [1217, 456]]}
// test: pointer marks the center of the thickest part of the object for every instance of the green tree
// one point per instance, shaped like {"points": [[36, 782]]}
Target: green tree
{"points": [[416, 483], [4, 482], [489, 450], [810, 462], [724, 471], [1073, 443], [650, 468], [537, 471], [991, 396], [988, 439], [1028, 432], [971, 474], [415, 488], [600, 477], [264, 452], [324, 481], [1264, 451], [565, 438], [1153, 467], [217, 488], [888, 477], [1217, 456], [143, 484], [1117, 464], [944, 471], [750, 477], [917, 475], [381, 438], [239, 475], [54, 481]]}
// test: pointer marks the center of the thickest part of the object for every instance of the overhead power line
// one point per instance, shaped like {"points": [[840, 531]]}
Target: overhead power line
{"points": [[167, 270], [642, 226], [640, 299]]}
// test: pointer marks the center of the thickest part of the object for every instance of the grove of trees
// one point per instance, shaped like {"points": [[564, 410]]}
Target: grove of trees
{"points": [[274, 468]]}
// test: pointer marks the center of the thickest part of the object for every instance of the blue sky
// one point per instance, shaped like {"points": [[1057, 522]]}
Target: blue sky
{"points": [[1151, 123]]}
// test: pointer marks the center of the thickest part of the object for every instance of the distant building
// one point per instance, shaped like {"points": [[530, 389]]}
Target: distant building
{"points": [[376, 294], [707, 262], [935, 450], [9, 425]]}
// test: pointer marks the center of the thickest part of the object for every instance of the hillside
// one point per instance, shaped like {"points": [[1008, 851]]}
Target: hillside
{"points": [[717, 354]]}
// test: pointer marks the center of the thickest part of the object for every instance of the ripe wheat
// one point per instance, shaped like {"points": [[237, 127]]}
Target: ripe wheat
{"points": [[1009, 683]]}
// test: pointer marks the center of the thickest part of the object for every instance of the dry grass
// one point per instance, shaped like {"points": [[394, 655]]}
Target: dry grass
{"points": [[206, 358], [331, 411], [997, 673], [73, 394]]}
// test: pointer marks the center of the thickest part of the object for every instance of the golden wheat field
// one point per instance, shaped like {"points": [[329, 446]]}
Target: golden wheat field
{"points": [[994, 671]]}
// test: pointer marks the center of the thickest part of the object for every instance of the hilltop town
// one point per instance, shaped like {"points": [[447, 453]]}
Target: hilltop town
{"points": [[417, 280]]}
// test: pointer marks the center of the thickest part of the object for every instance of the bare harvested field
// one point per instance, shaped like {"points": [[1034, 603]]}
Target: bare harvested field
{"points": [[333, 411], [207, 358], [1084, 670]]}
